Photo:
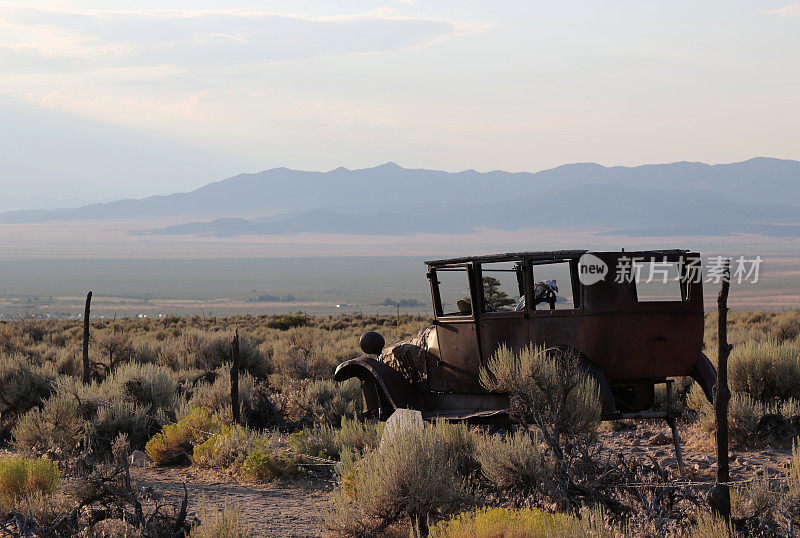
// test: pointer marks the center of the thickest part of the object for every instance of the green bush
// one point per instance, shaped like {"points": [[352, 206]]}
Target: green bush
{"points": [[228, 447], [22, 477], [319, 442], [267, 461], [175, 442], [57, 425], [288, 321], [23, 385]]}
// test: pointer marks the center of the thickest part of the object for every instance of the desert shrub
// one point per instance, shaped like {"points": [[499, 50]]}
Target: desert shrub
{"points": [[210, 351], [410, 476], [359, 437], [549, 390], [144, 384], [229, 446], [216, 397], [744, 415], [520, 523], [174, 443], [308, 353], [322, 401], [268, 461], [766, 370], [57, 425], [263, 409], [112, 349], [319, 442], [23, 385], [223, 523], [288, 321], [514, 462], [120, 416], [20, 477], [757, 499]]}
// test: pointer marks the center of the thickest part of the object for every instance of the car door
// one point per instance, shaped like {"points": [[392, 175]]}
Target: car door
{"points": [[455, 365]]}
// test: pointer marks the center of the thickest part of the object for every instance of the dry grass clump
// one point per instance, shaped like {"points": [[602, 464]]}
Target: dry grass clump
{"points": [[745, 414], [520, 523], [709, 526], [215, 397], [321, 401], [225, 522], [515, 462], [211, 351], [794, 474], [359, 436], [143, 384], [766, 370]]}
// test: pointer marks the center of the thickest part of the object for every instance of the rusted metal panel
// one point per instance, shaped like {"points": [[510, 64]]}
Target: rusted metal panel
{"points": [[459, 355]]}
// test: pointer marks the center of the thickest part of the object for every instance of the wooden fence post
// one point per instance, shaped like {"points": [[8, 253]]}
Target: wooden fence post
{"points": [[720, 496], [86, 372], [235, 377]]}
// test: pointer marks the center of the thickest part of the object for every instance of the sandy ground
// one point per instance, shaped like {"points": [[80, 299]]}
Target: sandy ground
{"points": [[268, 509]]}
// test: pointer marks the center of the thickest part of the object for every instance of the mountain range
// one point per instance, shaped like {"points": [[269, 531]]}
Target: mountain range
{"points": [[761, 195]]}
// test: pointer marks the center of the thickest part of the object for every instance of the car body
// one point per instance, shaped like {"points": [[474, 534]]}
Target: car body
{"points": [[631, 334]]}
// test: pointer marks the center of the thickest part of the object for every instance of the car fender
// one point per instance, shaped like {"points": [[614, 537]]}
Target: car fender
{"points": [[706, 376], [398, 391]]}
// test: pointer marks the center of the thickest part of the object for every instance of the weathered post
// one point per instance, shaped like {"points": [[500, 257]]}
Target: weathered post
{"points": [[720, 496], [86, 372], [235, 377]]}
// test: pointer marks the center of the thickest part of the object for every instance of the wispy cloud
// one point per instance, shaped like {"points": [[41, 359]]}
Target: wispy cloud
{"points": [[788, 11], [208, 37]]}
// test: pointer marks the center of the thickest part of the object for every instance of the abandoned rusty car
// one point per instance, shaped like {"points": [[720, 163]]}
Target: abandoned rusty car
{"points": [[633, 331]]}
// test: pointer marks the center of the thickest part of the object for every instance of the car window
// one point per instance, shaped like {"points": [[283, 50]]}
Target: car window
{"points": [[657, 281], [454, 293], [503, 288], [552, 286]]}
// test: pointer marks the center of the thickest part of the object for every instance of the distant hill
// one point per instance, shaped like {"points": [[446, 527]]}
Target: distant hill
{"points": [[759, 195], [628, 210]]}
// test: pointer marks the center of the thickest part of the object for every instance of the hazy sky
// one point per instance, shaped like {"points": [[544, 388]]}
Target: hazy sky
{"points": [[102, 98]]}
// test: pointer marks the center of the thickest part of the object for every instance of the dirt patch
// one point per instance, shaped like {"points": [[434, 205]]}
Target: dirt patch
{"points": [[268, 509]]}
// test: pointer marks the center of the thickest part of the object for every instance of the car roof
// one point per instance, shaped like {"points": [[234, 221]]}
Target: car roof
{"points": [[549, 255]]}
